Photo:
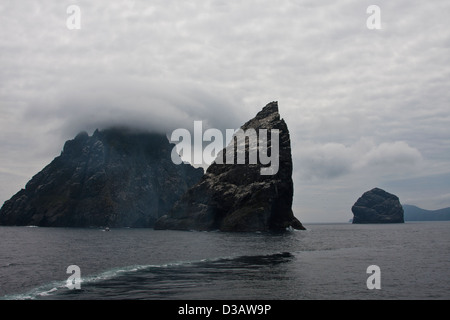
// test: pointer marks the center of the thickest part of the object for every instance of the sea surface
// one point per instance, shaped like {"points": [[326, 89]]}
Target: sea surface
{"points": [[327, 261]]}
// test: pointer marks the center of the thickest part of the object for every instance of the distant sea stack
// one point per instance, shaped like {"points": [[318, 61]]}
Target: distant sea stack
{"points": [[377, 206], [116, 178], [237, 197]]}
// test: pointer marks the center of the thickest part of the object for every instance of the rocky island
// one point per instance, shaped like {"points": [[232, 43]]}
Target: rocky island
{"points": [[117, 177], [377, 206], [120, 177], [237, 197]]}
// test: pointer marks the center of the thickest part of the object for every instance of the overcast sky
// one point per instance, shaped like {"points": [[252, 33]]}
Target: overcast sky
{"points": [[365, 107]]}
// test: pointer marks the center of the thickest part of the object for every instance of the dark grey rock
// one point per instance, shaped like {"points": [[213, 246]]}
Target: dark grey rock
{"points": [[236, 197], [116, 178], [377, 206]]}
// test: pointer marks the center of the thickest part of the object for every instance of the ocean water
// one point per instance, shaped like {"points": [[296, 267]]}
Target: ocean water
{"points": [[327, 261]]}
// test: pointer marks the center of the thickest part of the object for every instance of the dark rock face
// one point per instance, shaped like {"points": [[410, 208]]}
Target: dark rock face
{"points": [[116, 178], [377, 206], [237, 197]]}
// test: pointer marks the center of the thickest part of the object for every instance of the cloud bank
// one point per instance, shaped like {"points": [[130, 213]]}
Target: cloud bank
{"points": [[332, 160]]}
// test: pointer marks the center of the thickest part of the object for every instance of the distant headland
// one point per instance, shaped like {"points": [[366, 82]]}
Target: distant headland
{"points": [[414, 213], [120, 177]]}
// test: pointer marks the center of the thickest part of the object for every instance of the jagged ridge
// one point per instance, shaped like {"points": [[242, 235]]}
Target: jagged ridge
{"points": [[117, 177]]}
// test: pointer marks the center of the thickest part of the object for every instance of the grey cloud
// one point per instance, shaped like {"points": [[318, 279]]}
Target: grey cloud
{"points": [[391, 156], [332, 160], [141, 103], [324, 161]]}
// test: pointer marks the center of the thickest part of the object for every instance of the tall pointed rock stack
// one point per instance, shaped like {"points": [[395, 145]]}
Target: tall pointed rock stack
{"points": [[238, 197]]}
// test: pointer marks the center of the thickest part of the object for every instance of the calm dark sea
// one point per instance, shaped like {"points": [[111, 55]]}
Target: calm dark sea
{"points": [[328, 261]]}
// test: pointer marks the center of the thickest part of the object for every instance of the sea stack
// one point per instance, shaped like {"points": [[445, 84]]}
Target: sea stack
{"points": [[239, 197], [117, 177], [377, 206]]}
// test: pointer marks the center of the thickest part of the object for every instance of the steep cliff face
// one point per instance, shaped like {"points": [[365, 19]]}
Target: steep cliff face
{"points": [[238, 197], [116, 178], [377, 206]]}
